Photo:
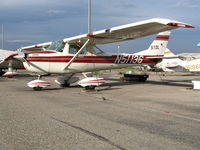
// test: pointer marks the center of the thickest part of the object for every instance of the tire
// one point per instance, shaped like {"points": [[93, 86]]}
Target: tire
{"points": [[65, 85], [38, 88], [92, 87]]}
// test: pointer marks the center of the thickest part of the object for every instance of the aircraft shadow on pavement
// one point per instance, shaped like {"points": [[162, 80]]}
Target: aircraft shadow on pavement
{"points": [[60, 88], [117, 84], [180, 83], [183, 83]]}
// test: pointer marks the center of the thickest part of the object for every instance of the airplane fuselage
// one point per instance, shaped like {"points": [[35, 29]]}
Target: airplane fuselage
{"points": [[56, 62]]}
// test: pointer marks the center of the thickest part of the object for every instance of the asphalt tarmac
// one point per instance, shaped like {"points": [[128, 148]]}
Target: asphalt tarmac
{"points": [[162, 113]]}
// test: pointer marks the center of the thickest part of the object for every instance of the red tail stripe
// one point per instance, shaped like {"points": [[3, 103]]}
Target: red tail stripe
{"points": [[162, 37]]}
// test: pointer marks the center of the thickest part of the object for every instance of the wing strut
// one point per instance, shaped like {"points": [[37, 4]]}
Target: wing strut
{"points": [[76, 55]]}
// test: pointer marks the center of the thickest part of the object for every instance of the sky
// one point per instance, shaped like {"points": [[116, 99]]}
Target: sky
{"points": [[28, 22]]}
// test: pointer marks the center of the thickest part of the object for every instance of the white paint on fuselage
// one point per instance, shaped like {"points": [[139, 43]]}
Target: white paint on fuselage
{"points": [[56, 68]]}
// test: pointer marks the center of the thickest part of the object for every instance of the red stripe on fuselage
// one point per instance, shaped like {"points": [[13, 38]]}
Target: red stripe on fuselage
{"points": [[36, 52], [41, 52], [93, 59]]}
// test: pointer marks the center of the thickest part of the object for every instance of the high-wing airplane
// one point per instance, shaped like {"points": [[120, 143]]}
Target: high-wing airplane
{"points": [[7, 61], [11, 64], [178, 65], [80, 54]]}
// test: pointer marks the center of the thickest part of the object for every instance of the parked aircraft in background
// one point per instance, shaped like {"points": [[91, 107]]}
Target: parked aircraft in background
{"points": [[9, 63], [80, 54], [175, 64]]}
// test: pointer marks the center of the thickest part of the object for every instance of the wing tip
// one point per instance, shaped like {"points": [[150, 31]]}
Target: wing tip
{"points": [[182, 25]]}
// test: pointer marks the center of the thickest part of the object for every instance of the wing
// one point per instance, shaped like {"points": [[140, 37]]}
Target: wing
{"points": [[5, 56], [37, 47], [5, 53], [129, 31]]}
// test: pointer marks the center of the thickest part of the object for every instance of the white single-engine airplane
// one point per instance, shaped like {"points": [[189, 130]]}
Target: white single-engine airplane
{"points": [[11, 64], [178, 65], [7, 61], [80, 54]]}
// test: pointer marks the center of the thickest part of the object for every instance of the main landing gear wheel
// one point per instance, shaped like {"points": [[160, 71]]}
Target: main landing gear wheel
{"points": [[10, 74], [92, 87], [65, 85], [38, 88], [89, 83]]}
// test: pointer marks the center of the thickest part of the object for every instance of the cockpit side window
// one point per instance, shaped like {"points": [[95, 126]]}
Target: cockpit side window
{"points": [[73, 49]]}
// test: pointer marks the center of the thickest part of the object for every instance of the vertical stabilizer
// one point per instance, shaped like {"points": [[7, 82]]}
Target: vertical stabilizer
{"points": [[158, 46]]}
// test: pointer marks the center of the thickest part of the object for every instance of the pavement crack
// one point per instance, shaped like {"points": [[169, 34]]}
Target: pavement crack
{"points": [[90, 133]]}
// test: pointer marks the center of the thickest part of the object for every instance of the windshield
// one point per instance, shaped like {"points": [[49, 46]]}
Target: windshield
{"points": [[57, 46]]}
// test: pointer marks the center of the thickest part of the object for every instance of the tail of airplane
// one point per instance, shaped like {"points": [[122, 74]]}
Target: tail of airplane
{"points": [[171, 62], [158, 46]]}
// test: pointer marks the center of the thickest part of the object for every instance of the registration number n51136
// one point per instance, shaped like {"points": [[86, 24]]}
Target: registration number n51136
{"points": [[129, 59]]}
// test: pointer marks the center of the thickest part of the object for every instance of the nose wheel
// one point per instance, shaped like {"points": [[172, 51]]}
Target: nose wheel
{"points": [[38, 84]]}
